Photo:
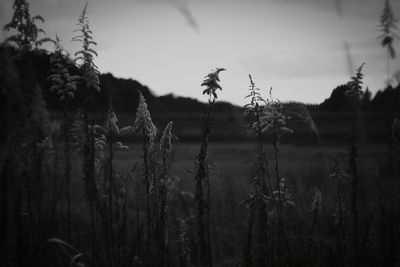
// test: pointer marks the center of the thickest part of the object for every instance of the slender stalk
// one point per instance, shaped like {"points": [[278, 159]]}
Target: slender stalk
{"points": [[163, 246], [388, 67], [67, 171], [147, 187], [203, 210], [109, 181], [247, 250], [138, 223], [353, 155], [162, 223], [280, 225]]}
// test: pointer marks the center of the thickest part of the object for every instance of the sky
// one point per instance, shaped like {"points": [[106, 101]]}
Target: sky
{"points": [[303, 49]]}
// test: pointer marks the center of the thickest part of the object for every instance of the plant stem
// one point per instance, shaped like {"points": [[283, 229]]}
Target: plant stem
{"points": [[203, 208], [67, 170], [147, 186], [353, 155]]}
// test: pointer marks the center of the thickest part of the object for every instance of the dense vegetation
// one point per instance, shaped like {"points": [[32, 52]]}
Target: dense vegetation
{"points": [[89, 179]]}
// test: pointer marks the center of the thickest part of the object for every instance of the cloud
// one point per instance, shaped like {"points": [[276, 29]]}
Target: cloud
{"points": [[183, 8], [339, 7]]}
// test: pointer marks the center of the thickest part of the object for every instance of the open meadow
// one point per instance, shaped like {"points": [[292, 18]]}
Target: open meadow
{"points": [[306, 169], [99, 171]]}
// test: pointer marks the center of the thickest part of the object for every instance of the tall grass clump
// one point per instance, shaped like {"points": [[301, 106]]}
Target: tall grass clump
{"points": [[202, 178], [354, 94], [25, 215], [112, 187], [273, 124], [64, 85], [269, 198], [157, 158], [89, 84], [145, 126], [387, 28], [27, 33], [261, 189], [315, 210], [340, 178], [161, 231]]}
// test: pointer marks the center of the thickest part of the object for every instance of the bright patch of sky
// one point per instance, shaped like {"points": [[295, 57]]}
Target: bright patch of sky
{"points": [[298, 47]]}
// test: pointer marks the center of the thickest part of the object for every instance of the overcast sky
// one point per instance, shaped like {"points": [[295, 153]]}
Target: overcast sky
{"points": [[295, 46]]}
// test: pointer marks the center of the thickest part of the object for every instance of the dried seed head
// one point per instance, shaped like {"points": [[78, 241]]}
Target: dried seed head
{"points": [[86, 55], [316, 203], [166, 138], [283, 194], [211, 82], [273, 119], [61, 81], [388, 27], [143, 119], [111, 123]]}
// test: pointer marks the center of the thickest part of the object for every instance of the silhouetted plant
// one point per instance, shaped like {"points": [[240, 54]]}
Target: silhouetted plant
{"points": [[211, 81], [340, 177], [64, 85], [204, 252], [27, 158], [86, 55], [90, 83], [161, 231], [112, 187], [315, 210], [388, 26], [260, 195], [184, 249], [354, 93], [62, 82], [145, 126], [27, 34]]}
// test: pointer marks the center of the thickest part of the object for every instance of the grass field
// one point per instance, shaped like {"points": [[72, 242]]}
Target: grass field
{"points": [[304, 167], [267, 184]]}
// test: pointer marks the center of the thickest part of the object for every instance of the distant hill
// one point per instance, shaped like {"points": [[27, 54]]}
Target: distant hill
{"points": [[331, 116], [384, 100]]}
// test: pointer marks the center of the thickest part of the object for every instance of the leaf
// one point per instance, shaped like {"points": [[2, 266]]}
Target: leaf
{"points": [[8, 26], [54, 76], [291, 203], [12, 38], [392, 52], [55, 88], [387, 40], [41, 30], [92, 51], [38, 17], [74, 78], [46, 40], [128, 130], [121, 146]]}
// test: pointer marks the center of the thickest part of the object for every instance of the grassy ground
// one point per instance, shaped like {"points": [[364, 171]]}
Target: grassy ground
{"points": [[304, 167]]}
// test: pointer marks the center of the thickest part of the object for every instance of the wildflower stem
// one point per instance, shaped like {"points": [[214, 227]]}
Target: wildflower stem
{"points": [[147, 187], [203, 208], [67, 170]]}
